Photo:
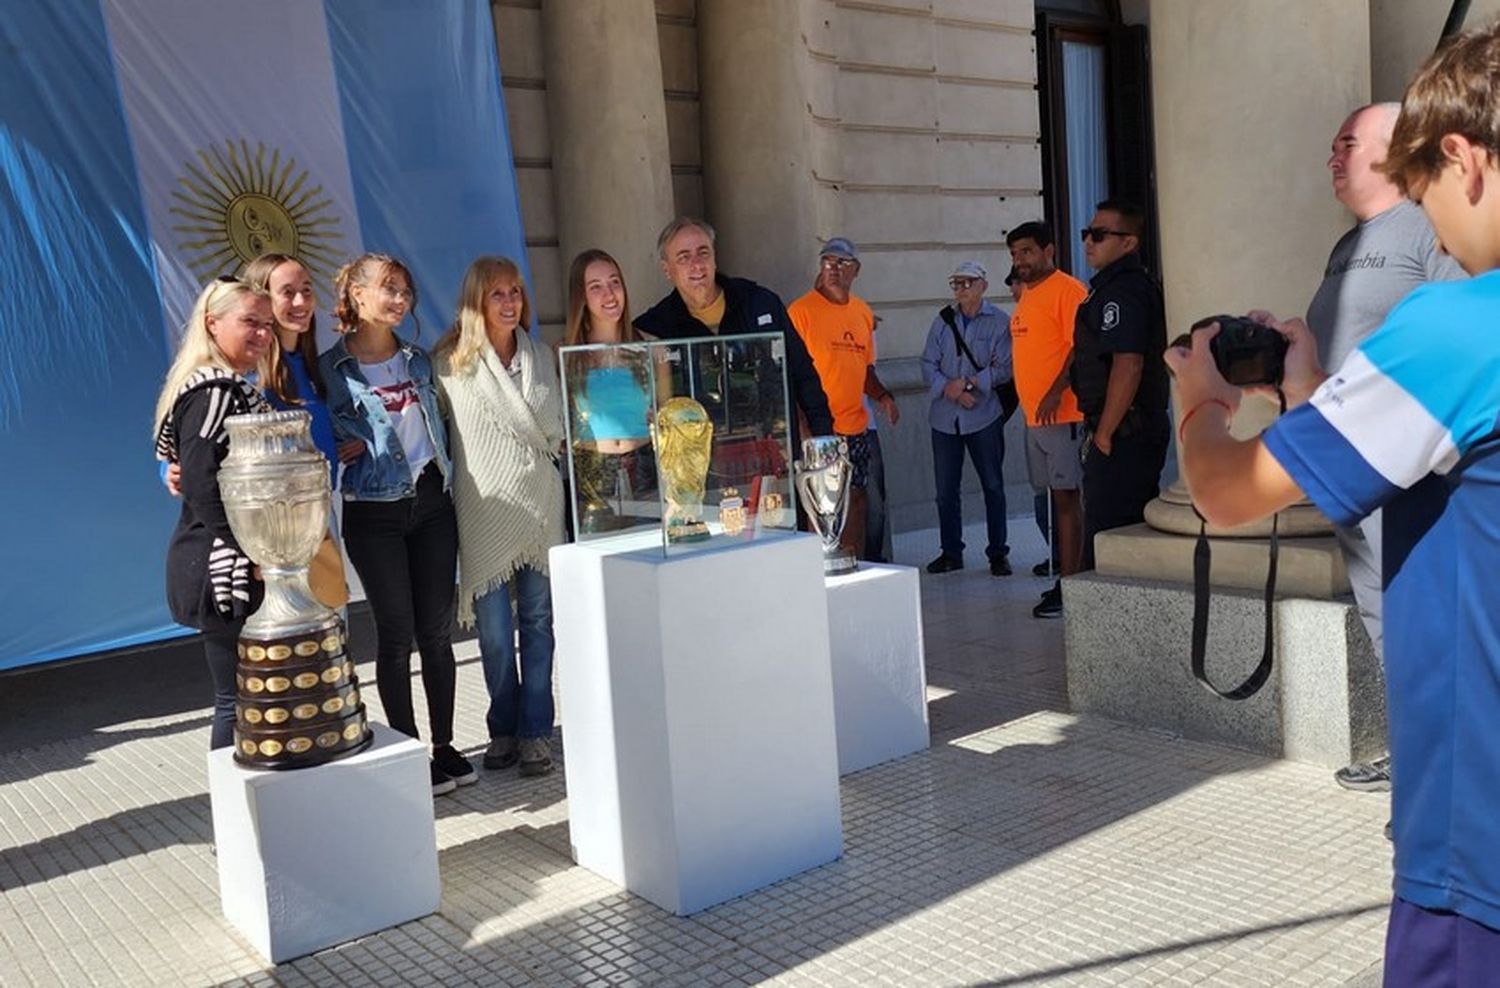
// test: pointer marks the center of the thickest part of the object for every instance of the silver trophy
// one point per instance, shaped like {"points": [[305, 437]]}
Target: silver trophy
{"points": [[823, 483], [299, 702]]}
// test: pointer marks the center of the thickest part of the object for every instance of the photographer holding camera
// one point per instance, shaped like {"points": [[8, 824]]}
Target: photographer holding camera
{"points": [[1408, 424], [1118, 375]]}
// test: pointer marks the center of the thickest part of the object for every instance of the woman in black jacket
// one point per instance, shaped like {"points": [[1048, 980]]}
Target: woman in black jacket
{"points": [[211, 583]]}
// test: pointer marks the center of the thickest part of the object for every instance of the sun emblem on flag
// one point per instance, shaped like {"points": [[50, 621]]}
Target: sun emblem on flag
{"points": [[235, 204]]}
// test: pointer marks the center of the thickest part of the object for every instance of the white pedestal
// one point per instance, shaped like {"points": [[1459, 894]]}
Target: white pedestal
{"points": [[313, 857], [697, 715], [879, 680]]}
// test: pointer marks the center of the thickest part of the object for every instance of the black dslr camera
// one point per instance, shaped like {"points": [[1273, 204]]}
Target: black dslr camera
{"points": [[1245, 352]]}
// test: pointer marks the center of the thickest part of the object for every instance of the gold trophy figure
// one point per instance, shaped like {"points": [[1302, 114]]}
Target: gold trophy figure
{"points": [[683, 434]]}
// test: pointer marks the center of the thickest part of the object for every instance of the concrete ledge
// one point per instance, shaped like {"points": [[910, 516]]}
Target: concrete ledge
{"points": [[1307, 566], [1129, 648]]}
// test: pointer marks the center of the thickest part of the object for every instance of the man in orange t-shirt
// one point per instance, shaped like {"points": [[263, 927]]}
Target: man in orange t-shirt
{"points": [[1041, 331], [838, 330]]}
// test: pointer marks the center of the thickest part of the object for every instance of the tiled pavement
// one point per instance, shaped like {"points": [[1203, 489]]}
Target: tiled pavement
{"points": [[1027, 846]]}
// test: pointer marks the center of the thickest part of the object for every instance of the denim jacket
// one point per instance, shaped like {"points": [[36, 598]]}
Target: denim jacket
{"points": [[381, 474]]}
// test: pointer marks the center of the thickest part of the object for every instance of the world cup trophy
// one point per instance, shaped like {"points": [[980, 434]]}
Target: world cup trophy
{"points": [[823, 483], [683, 434], [299, 702]]}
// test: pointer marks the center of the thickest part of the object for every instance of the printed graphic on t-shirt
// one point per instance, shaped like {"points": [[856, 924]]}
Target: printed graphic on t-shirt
{"points": [[397, 397]]}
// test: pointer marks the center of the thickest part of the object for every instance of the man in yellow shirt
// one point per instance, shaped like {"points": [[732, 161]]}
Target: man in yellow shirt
{"points": [[1041, 330], [838, 329]]}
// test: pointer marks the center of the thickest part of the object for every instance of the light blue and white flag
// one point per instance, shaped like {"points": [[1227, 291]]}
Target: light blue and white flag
{"points": [[147, 146]]}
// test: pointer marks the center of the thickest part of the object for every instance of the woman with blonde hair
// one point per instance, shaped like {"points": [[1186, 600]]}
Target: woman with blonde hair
{"points": [[211, 583], [399, 528], [505, 407]]}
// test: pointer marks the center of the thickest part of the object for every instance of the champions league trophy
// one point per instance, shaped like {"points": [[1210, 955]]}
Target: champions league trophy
{"points": [[299, 702], [684, 435], [823, 484]]}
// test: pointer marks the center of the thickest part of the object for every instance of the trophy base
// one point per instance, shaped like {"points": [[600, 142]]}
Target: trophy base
{"points": [[838, 562], [689, 531], [299, 701]]}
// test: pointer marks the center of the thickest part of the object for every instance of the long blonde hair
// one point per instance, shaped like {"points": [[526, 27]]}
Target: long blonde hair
{"points": [[467, 339], [197, 347], [578, 325]]}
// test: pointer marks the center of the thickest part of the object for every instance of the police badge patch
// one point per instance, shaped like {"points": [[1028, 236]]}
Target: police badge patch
{"points": [[1111, 315]]}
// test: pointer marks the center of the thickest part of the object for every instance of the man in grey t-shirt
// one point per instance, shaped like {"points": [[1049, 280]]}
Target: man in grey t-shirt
{"points": [[1390, 251]]}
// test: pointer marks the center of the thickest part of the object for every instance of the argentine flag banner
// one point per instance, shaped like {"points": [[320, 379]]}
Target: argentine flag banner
{"points": [[148, 146]]}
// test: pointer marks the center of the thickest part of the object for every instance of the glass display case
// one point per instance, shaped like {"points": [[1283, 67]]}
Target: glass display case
{"points": [[690, 438]]}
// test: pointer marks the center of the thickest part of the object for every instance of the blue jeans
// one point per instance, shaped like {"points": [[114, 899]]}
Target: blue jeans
{"points": [[987, 451], [520, 705]]}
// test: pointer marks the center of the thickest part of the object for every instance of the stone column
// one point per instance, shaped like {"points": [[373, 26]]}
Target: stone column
{"points": [[1247, 212], [754, 73], [607, 114]]}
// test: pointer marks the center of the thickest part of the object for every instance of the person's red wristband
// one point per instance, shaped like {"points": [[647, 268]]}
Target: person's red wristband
{"points": [[1182, 426]]}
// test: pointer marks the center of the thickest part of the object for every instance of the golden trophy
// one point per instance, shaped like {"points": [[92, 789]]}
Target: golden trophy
{"points": [[683, 435]]}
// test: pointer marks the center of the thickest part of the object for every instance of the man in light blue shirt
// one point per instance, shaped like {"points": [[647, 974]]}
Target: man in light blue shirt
{"points": [[967, 356]]}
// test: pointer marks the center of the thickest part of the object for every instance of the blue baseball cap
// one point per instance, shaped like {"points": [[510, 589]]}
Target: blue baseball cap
{"points": [[970, 269], [839, 247]]}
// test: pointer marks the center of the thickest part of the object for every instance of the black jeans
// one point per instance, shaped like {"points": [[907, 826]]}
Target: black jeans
{"points": [[406, 555], [222, 652], [1117, 487]]}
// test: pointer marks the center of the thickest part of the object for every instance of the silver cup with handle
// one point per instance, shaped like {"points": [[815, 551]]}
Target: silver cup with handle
{"points": [[824, 476]]}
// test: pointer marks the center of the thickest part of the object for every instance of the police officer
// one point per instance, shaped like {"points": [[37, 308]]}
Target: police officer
{"points": [[1119, 376]]}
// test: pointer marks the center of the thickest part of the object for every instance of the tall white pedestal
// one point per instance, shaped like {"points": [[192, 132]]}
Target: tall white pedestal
{"points": [[314, 857], [879, 680], [697, 715]]}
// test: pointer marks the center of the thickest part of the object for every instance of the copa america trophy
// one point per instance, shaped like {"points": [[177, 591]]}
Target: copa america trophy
{"points": [[299, 702], [823, 483]]}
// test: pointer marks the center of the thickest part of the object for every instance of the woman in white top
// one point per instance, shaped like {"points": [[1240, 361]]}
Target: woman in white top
{"points": [[505, 408], [399, 528]]}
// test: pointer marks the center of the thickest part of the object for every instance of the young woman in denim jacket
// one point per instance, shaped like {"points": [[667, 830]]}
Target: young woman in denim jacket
{"points": [[399, 527]]}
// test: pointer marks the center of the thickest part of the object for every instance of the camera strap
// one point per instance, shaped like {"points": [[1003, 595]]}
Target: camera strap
{"points": [[947, 314], [1202, 557]]}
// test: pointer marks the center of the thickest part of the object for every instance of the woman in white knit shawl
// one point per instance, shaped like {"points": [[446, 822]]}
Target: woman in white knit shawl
{"points": [[505, 425]]}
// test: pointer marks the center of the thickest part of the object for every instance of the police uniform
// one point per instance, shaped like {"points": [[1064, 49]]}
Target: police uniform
{"points": [[1123, 313]]}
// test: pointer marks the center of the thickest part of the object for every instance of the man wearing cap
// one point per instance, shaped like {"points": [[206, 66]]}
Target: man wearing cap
{"points": [[967, 356], [838, 329]]}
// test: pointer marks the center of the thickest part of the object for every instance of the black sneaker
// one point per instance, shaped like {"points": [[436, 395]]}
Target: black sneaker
{"points": [[1000, 566], [455, 766], [441, 784], [1044, 568], [1050, 606], [1371, 776], [945, 564]]}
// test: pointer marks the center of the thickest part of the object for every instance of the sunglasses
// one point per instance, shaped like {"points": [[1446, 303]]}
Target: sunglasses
{"points": [[831, 261], [1098, 233], [959, 284]]}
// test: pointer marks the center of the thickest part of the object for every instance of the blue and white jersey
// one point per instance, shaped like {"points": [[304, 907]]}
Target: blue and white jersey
{"points": [[1409, 423]]}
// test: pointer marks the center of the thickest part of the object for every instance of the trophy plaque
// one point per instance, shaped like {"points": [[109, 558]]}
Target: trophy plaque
{"points": [[823, 485], [684, 441], [299, 699]]}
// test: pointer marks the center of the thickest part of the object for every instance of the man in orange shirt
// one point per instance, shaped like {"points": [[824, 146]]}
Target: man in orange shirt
{"points": [[1041, 330], [838, 330]]}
